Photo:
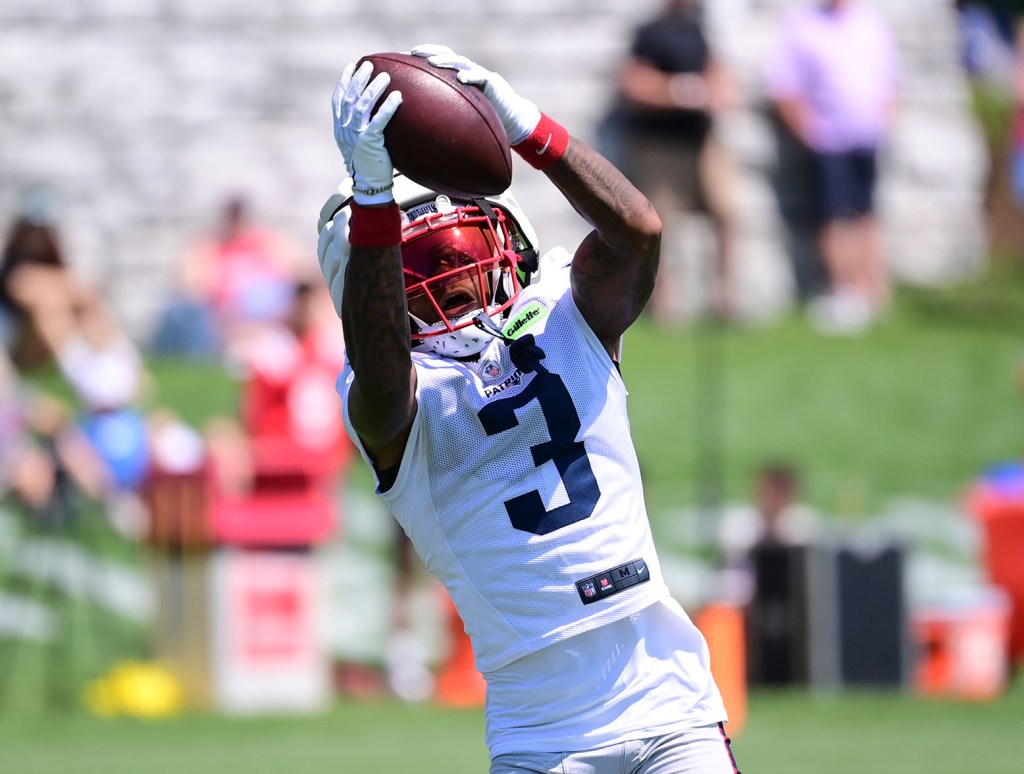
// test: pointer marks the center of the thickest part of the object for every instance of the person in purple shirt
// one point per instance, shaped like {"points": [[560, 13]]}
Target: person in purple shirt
{"points": [[834, 83]]}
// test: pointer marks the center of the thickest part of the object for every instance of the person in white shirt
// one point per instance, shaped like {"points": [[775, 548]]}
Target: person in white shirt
{"points": [[482, 386]]}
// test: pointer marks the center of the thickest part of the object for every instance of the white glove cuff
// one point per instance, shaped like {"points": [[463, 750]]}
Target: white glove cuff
{"points": [[523, 120]]}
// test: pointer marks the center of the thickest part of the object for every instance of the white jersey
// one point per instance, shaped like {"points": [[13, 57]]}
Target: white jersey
{"points": [[643, 676], [521, 491]]}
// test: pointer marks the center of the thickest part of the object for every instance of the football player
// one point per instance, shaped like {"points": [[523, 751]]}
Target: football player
{"points": [[482, 386]]}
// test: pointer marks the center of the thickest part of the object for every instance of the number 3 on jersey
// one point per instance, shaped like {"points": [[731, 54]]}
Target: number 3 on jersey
{"points": [[527, 511]]}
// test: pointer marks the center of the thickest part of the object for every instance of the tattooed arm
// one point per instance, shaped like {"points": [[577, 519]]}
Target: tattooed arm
{"points": [[614, 267], [382, 398], [363, 268]]}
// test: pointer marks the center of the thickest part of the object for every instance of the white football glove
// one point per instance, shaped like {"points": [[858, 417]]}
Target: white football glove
{"points": [[332, 248], [518, 115], [360, 133]]}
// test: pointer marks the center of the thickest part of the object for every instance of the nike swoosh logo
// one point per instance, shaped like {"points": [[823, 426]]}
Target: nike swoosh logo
{"points": [[546, 144]]}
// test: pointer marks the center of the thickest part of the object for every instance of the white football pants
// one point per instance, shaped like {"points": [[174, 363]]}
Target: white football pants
{"points": [[704, 750]]}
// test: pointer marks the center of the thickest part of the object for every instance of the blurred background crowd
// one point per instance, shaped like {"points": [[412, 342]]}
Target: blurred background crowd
{"points": [[170, 442]]}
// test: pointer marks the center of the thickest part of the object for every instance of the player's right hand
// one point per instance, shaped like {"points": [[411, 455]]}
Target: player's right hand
{"points": [[518, 115], [359, 131]]}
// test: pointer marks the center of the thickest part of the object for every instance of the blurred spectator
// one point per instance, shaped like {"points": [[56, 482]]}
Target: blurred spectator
{"points": [[38, 446], [791, 177], [670, 88], [834, 84], [784, 519], [987, 51], [230, 284], [51, 316], [986, 42], [32, 260], [289, 405], [775, 516]]}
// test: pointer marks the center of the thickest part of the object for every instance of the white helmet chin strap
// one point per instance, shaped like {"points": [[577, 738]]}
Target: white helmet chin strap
{"points": [[464, 342]]}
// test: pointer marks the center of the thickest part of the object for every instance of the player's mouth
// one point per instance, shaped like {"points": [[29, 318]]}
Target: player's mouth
{"points": [[458, 304]]}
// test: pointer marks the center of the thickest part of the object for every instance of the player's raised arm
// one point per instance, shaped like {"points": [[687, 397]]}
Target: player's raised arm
{"points": [[363, 269], [614, 268]]}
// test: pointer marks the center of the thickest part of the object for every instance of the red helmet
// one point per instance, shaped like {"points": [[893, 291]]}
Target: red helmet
{"points": [[460, 258]]}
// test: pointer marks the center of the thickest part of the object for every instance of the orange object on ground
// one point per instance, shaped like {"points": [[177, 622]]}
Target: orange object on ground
{"points": [[458, 683], [963, 651], [723, 628], [1000, 511]]}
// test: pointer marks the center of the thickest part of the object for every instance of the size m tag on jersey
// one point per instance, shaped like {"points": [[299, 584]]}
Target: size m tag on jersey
{"points": [[610, 582]]}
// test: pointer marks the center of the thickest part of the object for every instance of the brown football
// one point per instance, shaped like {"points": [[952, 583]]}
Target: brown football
{"points": [[445, 135]]}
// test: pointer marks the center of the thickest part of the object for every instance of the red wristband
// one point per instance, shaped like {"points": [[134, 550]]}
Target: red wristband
{"points": [[546, 145], [375, 226]]}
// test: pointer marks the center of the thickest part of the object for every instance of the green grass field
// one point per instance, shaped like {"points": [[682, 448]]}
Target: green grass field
{"points": [[788, 733], [917, 408]]}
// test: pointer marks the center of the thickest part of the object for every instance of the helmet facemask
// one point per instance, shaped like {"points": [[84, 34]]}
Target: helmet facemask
{"points": [[459, 261]]}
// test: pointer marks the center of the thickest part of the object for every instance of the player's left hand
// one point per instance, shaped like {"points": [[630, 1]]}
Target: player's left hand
{"points": [[518, 115], [359, 131]]}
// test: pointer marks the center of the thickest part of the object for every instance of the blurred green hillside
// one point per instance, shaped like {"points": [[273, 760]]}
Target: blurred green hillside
{"points": [[915, 407]]}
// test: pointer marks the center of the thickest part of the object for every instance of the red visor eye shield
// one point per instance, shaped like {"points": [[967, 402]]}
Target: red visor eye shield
{"points": [[440, 251]]}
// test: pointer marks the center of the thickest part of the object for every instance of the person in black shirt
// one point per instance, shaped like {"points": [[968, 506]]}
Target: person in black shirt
{"points": [[670, 88]]}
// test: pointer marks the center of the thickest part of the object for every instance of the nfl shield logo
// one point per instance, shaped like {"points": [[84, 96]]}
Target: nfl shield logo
{"points": [[589, 590], [490, 369]]}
